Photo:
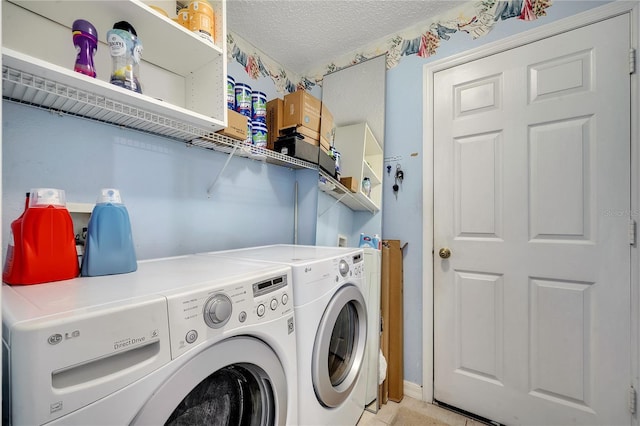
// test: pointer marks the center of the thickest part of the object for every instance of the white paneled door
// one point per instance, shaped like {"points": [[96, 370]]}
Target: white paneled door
{"points": [[532, 201]]}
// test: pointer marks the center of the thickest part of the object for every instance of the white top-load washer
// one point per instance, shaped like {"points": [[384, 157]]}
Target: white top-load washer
{"points": [[181, 340], [331, 318]]}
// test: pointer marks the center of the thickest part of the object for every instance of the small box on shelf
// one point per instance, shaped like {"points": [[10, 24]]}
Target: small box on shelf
{"points": [[236, 126], [275, 113], [309, 134], [350, 183], [302, 133], [324, 145]]}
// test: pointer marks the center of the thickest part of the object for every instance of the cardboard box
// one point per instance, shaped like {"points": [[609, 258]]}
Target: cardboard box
{"points": [[302, 109], [327, 127], [301, 132], [391, 294], [236, 126], [324, 145], [350, 183], [308, 133], [275, 114]]}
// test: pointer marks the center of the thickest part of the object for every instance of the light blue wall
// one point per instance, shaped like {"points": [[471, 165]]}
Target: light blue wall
{"points": [[307, 206], [334, 219], [402, 212], [163, 183]]}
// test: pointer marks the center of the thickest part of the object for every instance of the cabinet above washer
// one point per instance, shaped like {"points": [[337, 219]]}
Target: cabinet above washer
{"points": [[361, 157], [183, 76]]}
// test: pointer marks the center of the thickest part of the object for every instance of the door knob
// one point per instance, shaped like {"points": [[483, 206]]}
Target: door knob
{"points": [[444, 253]]}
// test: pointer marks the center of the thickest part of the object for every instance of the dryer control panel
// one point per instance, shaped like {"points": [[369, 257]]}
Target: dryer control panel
{"points": [[211, 314]]}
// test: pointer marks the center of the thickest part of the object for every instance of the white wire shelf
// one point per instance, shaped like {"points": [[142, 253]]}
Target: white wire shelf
{"points": [[221, 143], [41, 89], [37, 91], [354, 201]]}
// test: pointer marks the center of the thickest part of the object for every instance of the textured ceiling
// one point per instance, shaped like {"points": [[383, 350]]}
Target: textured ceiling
{"points": [[303, 35]]}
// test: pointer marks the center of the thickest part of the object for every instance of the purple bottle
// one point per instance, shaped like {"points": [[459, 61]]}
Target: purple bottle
{"points": [[85, 38]]}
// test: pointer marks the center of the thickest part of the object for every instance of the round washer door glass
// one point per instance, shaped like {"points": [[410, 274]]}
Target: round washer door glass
{"points": [[339, 346], [233, 395], [344, 338], [239, 381]]}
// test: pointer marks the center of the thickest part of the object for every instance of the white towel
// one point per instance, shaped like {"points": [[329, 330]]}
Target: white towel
{"points": [[382, 368]]}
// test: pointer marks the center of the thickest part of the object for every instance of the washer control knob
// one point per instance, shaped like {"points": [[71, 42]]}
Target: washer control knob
{"points": [[217, 310], [274, 304], [285, 299], [191, 336], [260, 310], [343, 266]]}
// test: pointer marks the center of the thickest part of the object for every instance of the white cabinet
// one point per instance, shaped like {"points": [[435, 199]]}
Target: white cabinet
{"points": [[361, 157], [183, 76]]}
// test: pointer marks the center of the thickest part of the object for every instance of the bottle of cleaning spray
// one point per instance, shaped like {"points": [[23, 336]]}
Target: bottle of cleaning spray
{"points": [[109, 246]]}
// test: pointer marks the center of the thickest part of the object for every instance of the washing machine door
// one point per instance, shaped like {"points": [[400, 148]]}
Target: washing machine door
{"points": [[238, 381], [338, 351]]}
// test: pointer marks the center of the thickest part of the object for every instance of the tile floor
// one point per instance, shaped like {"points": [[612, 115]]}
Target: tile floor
{"points": [[420, 414]]}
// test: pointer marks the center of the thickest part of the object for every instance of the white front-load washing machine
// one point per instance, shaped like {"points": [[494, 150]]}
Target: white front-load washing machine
{"points": [[183, 340], [331, 318]]}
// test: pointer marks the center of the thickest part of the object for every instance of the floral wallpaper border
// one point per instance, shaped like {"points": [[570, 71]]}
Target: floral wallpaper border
{"points": [[476, 18]]}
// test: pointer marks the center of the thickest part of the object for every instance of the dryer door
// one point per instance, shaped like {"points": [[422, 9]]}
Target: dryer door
{"points": [[238, 381], [338, 351]]}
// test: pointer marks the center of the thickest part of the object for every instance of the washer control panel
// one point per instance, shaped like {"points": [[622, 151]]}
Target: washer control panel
{"points": [[209, 314], [350, 267]]}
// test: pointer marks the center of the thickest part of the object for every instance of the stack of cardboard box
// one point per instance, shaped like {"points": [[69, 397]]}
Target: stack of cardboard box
{"points": [[300, 126]]}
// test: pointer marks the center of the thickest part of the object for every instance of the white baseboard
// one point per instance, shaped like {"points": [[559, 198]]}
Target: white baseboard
{"points": [[412, 390]]}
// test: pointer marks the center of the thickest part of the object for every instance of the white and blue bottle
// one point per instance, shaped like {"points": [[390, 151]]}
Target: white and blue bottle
{"points": [[109, 247]]}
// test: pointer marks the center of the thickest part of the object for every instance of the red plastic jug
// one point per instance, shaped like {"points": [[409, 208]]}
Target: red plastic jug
{"points": [[44, 247], [12, 262]]}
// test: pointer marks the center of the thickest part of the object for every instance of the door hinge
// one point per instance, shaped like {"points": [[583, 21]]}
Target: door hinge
{"points": [[632, 232], [632, 400], [632, 61]]}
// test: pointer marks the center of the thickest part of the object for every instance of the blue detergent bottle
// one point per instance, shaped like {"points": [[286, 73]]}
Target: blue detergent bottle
{"points": [[109, 247]]}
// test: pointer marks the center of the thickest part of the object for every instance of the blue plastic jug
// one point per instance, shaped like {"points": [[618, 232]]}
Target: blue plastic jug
{"points": [[366, 241], [109, 247]]}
